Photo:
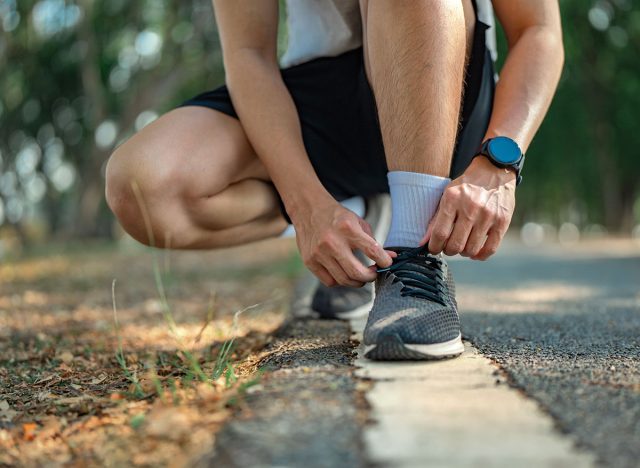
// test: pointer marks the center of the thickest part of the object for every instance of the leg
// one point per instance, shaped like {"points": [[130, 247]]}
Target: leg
{"points": [[415, 55], [415, 58], [202, 185]]}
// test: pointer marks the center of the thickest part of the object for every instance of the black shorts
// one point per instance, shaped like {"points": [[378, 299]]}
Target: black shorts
{"points": [[340, 128]]}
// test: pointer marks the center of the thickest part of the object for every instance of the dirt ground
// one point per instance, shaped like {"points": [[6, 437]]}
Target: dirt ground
{"points": [[149, 384]]}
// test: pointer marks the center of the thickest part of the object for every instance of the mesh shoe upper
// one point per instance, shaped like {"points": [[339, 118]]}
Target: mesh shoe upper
{"points": [[415, 300]]}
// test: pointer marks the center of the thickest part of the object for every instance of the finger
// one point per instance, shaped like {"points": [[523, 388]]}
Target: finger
{"points": [[322, 274], [366, 227], [359, 239], [458, 238], [336, 270], [476, 240], [391, 253], [477, 237], [490, 246], [441, 226], [353, 267]]}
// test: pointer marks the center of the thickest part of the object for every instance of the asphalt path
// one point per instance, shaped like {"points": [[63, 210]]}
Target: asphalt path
{"points": [[564, 323]]}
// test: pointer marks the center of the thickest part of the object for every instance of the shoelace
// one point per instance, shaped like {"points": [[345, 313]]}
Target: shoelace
{"points": [[421, 274]]}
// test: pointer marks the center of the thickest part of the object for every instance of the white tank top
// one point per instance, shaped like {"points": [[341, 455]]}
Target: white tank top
{"points": [[326, 28]]}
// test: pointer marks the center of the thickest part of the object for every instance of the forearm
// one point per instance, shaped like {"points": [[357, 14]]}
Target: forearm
{"points": [[270, 120], [527, 84]]}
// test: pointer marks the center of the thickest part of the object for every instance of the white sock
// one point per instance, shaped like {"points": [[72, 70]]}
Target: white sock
{"points": [[414, 201], [355, 204]]}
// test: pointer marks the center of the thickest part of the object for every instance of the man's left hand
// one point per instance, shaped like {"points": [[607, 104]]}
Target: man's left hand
{"points": [[474, 212]]}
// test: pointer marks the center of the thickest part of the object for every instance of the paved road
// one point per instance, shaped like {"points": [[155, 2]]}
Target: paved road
{"points": [[562, 322], [565, 324]]}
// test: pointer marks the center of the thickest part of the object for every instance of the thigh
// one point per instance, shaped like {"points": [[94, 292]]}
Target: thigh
{"points": [[193, 150]]}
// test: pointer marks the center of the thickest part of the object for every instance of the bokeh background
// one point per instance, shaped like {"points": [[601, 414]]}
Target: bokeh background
{"points": [[77, 77]]}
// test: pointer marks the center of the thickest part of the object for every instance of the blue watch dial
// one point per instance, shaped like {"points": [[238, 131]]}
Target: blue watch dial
{"points": [[504, 150]]}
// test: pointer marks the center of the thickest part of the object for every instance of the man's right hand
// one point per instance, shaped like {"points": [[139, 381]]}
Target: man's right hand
{"points": [[327, 235]]}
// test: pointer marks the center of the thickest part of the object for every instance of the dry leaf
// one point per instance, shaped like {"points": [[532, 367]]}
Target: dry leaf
{"points": [[96, 380], [66, 357], [41, 396], [45, 379], [52, 426], [72, 400], [29, 431], [6, 413], [167, 423], [148, 385], [153, 306]]}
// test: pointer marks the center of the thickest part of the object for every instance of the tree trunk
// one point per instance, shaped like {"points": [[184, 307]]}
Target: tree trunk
{"points": [[610, 178]]}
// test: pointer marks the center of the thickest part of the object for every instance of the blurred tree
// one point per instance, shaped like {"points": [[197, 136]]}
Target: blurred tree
{"points": [[78, 77], [583, 165]]}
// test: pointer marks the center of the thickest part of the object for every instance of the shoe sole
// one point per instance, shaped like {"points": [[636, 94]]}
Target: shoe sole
{"points": [[358, 312], [354, 314], [392, 348]]}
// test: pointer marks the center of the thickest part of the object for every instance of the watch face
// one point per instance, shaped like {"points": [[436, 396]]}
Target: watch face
{"points": [[504, 150]]}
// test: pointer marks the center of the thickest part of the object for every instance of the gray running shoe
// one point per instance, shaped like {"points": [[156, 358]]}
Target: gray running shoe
{"points": [[342, 302], [345, 303], [415, 315]]}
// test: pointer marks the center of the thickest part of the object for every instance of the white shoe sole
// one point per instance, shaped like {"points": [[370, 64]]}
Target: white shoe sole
{"points": [[396, 350], [358, 312]]}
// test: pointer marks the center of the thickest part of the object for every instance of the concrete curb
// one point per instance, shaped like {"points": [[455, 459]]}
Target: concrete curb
{"points": [[457, 413]]}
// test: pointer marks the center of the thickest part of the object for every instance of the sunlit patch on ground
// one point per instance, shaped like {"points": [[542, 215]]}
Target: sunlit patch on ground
{"points": [[68, 395], [530, 297]]}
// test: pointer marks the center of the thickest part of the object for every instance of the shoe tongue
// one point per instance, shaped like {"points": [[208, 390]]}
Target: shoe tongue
{"points": [[412, 251], [419, 255], [400, 250]]}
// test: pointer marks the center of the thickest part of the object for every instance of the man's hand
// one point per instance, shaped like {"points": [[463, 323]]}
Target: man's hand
{"points": [[474, 212], [327, 236]]}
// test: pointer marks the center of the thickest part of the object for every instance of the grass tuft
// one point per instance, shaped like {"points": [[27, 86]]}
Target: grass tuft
{"points": [[120, 357], [188, 363]]}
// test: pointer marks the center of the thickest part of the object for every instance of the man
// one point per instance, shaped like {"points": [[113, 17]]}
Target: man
{"points": [[372, 97]]}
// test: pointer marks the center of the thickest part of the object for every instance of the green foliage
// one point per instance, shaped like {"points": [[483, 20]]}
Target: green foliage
{"points": [[80, 76], [77, 78], [583, 164]]}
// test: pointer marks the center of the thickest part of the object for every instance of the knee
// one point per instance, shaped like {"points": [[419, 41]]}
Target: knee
{"points": [[132, 188], [416, 15], [117, 189], [441, 9]]}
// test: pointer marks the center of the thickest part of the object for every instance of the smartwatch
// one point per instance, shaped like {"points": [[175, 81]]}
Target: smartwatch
{"points": [[504, 152]]}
